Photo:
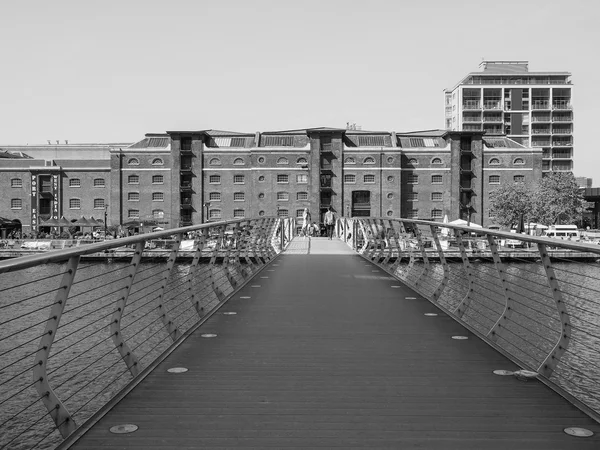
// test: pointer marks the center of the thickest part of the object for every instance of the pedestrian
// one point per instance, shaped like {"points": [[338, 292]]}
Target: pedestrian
{"points": [[306, 222], [329, 222]]}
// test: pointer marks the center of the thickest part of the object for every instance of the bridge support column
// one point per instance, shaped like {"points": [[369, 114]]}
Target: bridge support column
{"points": [[466, 301], [500, 324], [59, 413], [549, 364], [131, 361]]}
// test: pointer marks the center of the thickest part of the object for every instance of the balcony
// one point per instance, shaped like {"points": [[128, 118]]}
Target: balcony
{"points": [[562, 143], [540, 143], [540, 118], [471, 119], [540, 104], [487, 104], [492, 118], [493, 130], [561, 154], [562, 119], [186, 186], [471, 104], [562, 104], [186, 168], [540, 131], [562, 131]]}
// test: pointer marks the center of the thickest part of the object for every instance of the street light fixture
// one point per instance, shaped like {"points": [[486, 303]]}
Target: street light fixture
{"points": [[105, 221]]}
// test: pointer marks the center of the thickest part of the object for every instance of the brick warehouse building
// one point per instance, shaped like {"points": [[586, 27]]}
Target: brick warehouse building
{"points": [[181, 178]]}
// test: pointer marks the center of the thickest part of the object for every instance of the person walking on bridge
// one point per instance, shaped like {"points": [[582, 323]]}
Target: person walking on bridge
{"points": [[306, 222], [329, 222]]}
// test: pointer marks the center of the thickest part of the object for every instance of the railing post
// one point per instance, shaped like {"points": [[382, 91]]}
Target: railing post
{"points": [[59, 413], [398, 247], [172, 329], [390, 235], [200, 242], [213, 260], [466, 301], [127, 355], [549, 364], [508, 302], [426, 266], [282, 233], [438, 292]]}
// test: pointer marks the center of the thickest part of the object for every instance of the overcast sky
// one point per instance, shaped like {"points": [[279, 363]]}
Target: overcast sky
{"points": [[112, 71]]}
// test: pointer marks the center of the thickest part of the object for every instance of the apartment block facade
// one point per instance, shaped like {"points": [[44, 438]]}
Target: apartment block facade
{"points": [[180, 178], [532, 108]]}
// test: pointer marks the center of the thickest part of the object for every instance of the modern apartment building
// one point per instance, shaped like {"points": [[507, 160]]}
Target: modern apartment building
{"points": [[182, 178], [532, 108]]}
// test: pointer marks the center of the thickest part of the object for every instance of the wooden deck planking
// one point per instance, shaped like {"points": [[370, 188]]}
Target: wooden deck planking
{"points": [[327, 354]]}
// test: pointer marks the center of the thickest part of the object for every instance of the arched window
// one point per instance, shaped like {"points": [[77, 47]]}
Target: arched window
{"points": [[99, 182], [16, 182], [214, 162], [238, 162], [214, 214], [494, 162], [74, 203], [349, 160], [157, 162], [133, 162], [436, 161], [74, 182], [413, 161], [283, 161], [369, 160], [518, 161], [301, 161]]}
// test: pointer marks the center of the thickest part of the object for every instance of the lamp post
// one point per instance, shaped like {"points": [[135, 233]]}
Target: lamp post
{"points": [[105, 221], [206, 206]]}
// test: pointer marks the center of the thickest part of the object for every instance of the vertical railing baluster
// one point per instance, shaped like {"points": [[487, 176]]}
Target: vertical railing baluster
{"points": [[426, 266], [548, 366], [440, 288], [502, 321], [397, 234], [131, 361], [466, 301], [390, 235], [59, 413], [170, 326], [193, 273]]}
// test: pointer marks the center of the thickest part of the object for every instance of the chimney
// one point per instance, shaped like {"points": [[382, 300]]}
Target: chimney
{"points": [[66, 142], [57, 142]]}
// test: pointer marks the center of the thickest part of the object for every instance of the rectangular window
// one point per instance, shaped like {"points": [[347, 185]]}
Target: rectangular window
{"points": [[436, 179], [277, 141], [417, 142], [99, 182], [158, 197], [238, 213], [413, 196], [214, 196], [16, 203], [214, 214], [299, 213], [238, 179], [413, 214], [133, 214], [239, 197], [369, 178], [214, 179], [302, 196], [133, 179], [302, 179], [436, 196], [436, 213], [133, 196], [76, 182], [412, 179], [494, 179], [16, 183], [158, 214], [158, 179], [98, 203], [519, 178], [281, 178], [282, 213], [283, 196], [349, 178], [371, 141], [75, 203]]}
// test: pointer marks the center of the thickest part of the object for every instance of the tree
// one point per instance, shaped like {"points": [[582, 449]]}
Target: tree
{"points": [[558, 199], [510, 202]]}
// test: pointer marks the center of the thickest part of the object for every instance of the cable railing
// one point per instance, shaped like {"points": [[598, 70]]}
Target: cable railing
{"points": [[534, 299], [80, 327]]}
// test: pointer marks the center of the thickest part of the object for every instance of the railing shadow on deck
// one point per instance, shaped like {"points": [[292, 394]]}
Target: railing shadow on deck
{"points": [[536, 300], [80, 327]]}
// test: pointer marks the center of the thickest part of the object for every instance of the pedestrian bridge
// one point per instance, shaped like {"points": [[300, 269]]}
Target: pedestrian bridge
{"points": [[395, 334]]}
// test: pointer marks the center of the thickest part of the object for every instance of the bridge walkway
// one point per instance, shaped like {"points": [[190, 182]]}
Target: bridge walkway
{"points": [[328, 351]]}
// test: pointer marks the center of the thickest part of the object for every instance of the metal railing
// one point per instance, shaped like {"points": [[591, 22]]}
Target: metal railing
{"points": [[534, 299], [80, 327]]}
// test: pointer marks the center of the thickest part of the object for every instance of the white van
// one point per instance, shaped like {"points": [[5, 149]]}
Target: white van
{"points": [[569, 232]]}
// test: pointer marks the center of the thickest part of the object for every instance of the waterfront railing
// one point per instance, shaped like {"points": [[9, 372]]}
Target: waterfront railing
{"points": [[534, 299], [80, 327]]}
